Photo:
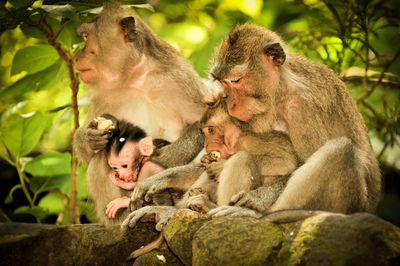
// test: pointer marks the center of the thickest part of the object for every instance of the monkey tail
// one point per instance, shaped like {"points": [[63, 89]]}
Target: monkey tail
{"points": [[149, 247], [290, 216]]}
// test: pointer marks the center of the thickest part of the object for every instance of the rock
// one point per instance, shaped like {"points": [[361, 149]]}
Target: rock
{"points": [[180, 230], [239, 241], [192, 238], [327, 239], [87, 244]]}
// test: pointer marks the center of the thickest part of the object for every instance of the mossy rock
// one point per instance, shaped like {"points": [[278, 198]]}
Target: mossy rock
{"points": [[237, 241], [180, 230]]}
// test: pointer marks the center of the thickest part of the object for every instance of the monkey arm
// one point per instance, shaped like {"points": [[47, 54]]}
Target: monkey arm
{"points": [[183, 150], [180, 177]]}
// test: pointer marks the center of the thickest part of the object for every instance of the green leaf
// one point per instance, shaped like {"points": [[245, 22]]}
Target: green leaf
{"points": [[37, 211], [8, 199], [52, 202], [64, 11], [68, 36], [44, 183], [21, 134], [42, 80], [33, 59], [49, 164], [21, 3]]}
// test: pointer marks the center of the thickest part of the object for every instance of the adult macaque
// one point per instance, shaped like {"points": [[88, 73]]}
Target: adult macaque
{"points": [[134, 75], [268, 88]]}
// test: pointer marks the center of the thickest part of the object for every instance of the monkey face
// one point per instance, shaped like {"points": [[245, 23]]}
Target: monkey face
{"points": [[103, 60], [221, 135], [247, 65], [124, 164]]}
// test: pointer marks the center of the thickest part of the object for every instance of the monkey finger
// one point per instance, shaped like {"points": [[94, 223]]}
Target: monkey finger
{"points": [[239, 199], [95, 133], [221, 211]]}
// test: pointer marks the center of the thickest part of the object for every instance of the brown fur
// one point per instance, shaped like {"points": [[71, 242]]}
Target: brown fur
{"points": [[136, 76], [268, 88]]}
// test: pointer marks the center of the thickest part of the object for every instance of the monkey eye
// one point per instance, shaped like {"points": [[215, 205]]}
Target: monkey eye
{"points": [[208, 130], [115, 168], [124, 166], [236, 80]]}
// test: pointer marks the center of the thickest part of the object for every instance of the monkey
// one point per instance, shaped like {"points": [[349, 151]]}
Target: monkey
{"points": [[268, 89], [128, 152], [259, 160], [134, 75]]}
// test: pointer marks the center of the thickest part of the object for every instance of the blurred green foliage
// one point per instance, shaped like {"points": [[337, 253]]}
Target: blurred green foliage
{"points": [[357, 38]]}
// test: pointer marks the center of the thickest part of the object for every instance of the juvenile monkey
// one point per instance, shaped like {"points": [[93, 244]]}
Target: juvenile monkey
{"points": [[245, 160], [134, 75]]}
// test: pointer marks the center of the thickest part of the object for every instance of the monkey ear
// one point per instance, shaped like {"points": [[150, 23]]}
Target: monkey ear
{"points": [[277, 53], [146, 147], [128, 28]]}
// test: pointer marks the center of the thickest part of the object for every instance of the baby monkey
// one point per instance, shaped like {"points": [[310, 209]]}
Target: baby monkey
{"points": [[238, 161], [128, 151]]}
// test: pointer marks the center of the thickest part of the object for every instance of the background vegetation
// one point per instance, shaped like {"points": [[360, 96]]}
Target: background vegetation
{"points": [[359, 39]]}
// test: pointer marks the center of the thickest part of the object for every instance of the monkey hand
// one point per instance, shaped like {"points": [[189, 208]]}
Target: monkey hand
{"points": [[260, 199], [214, 169], [97, 138], [115, 205], [233, 211], [159, 214], [207, 159]]}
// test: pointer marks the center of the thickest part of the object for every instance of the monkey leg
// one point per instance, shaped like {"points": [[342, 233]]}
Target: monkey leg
{"points": [[332, 179], [236, 176]]}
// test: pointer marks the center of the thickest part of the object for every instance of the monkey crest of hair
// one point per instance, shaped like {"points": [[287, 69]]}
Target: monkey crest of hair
{"points": [[242, 46], [125, 132]]}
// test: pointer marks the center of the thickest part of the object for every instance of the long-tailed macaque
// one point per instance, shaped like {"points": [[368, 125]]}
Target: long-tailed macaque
{"points": [[134, 75], [268, 88]]}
